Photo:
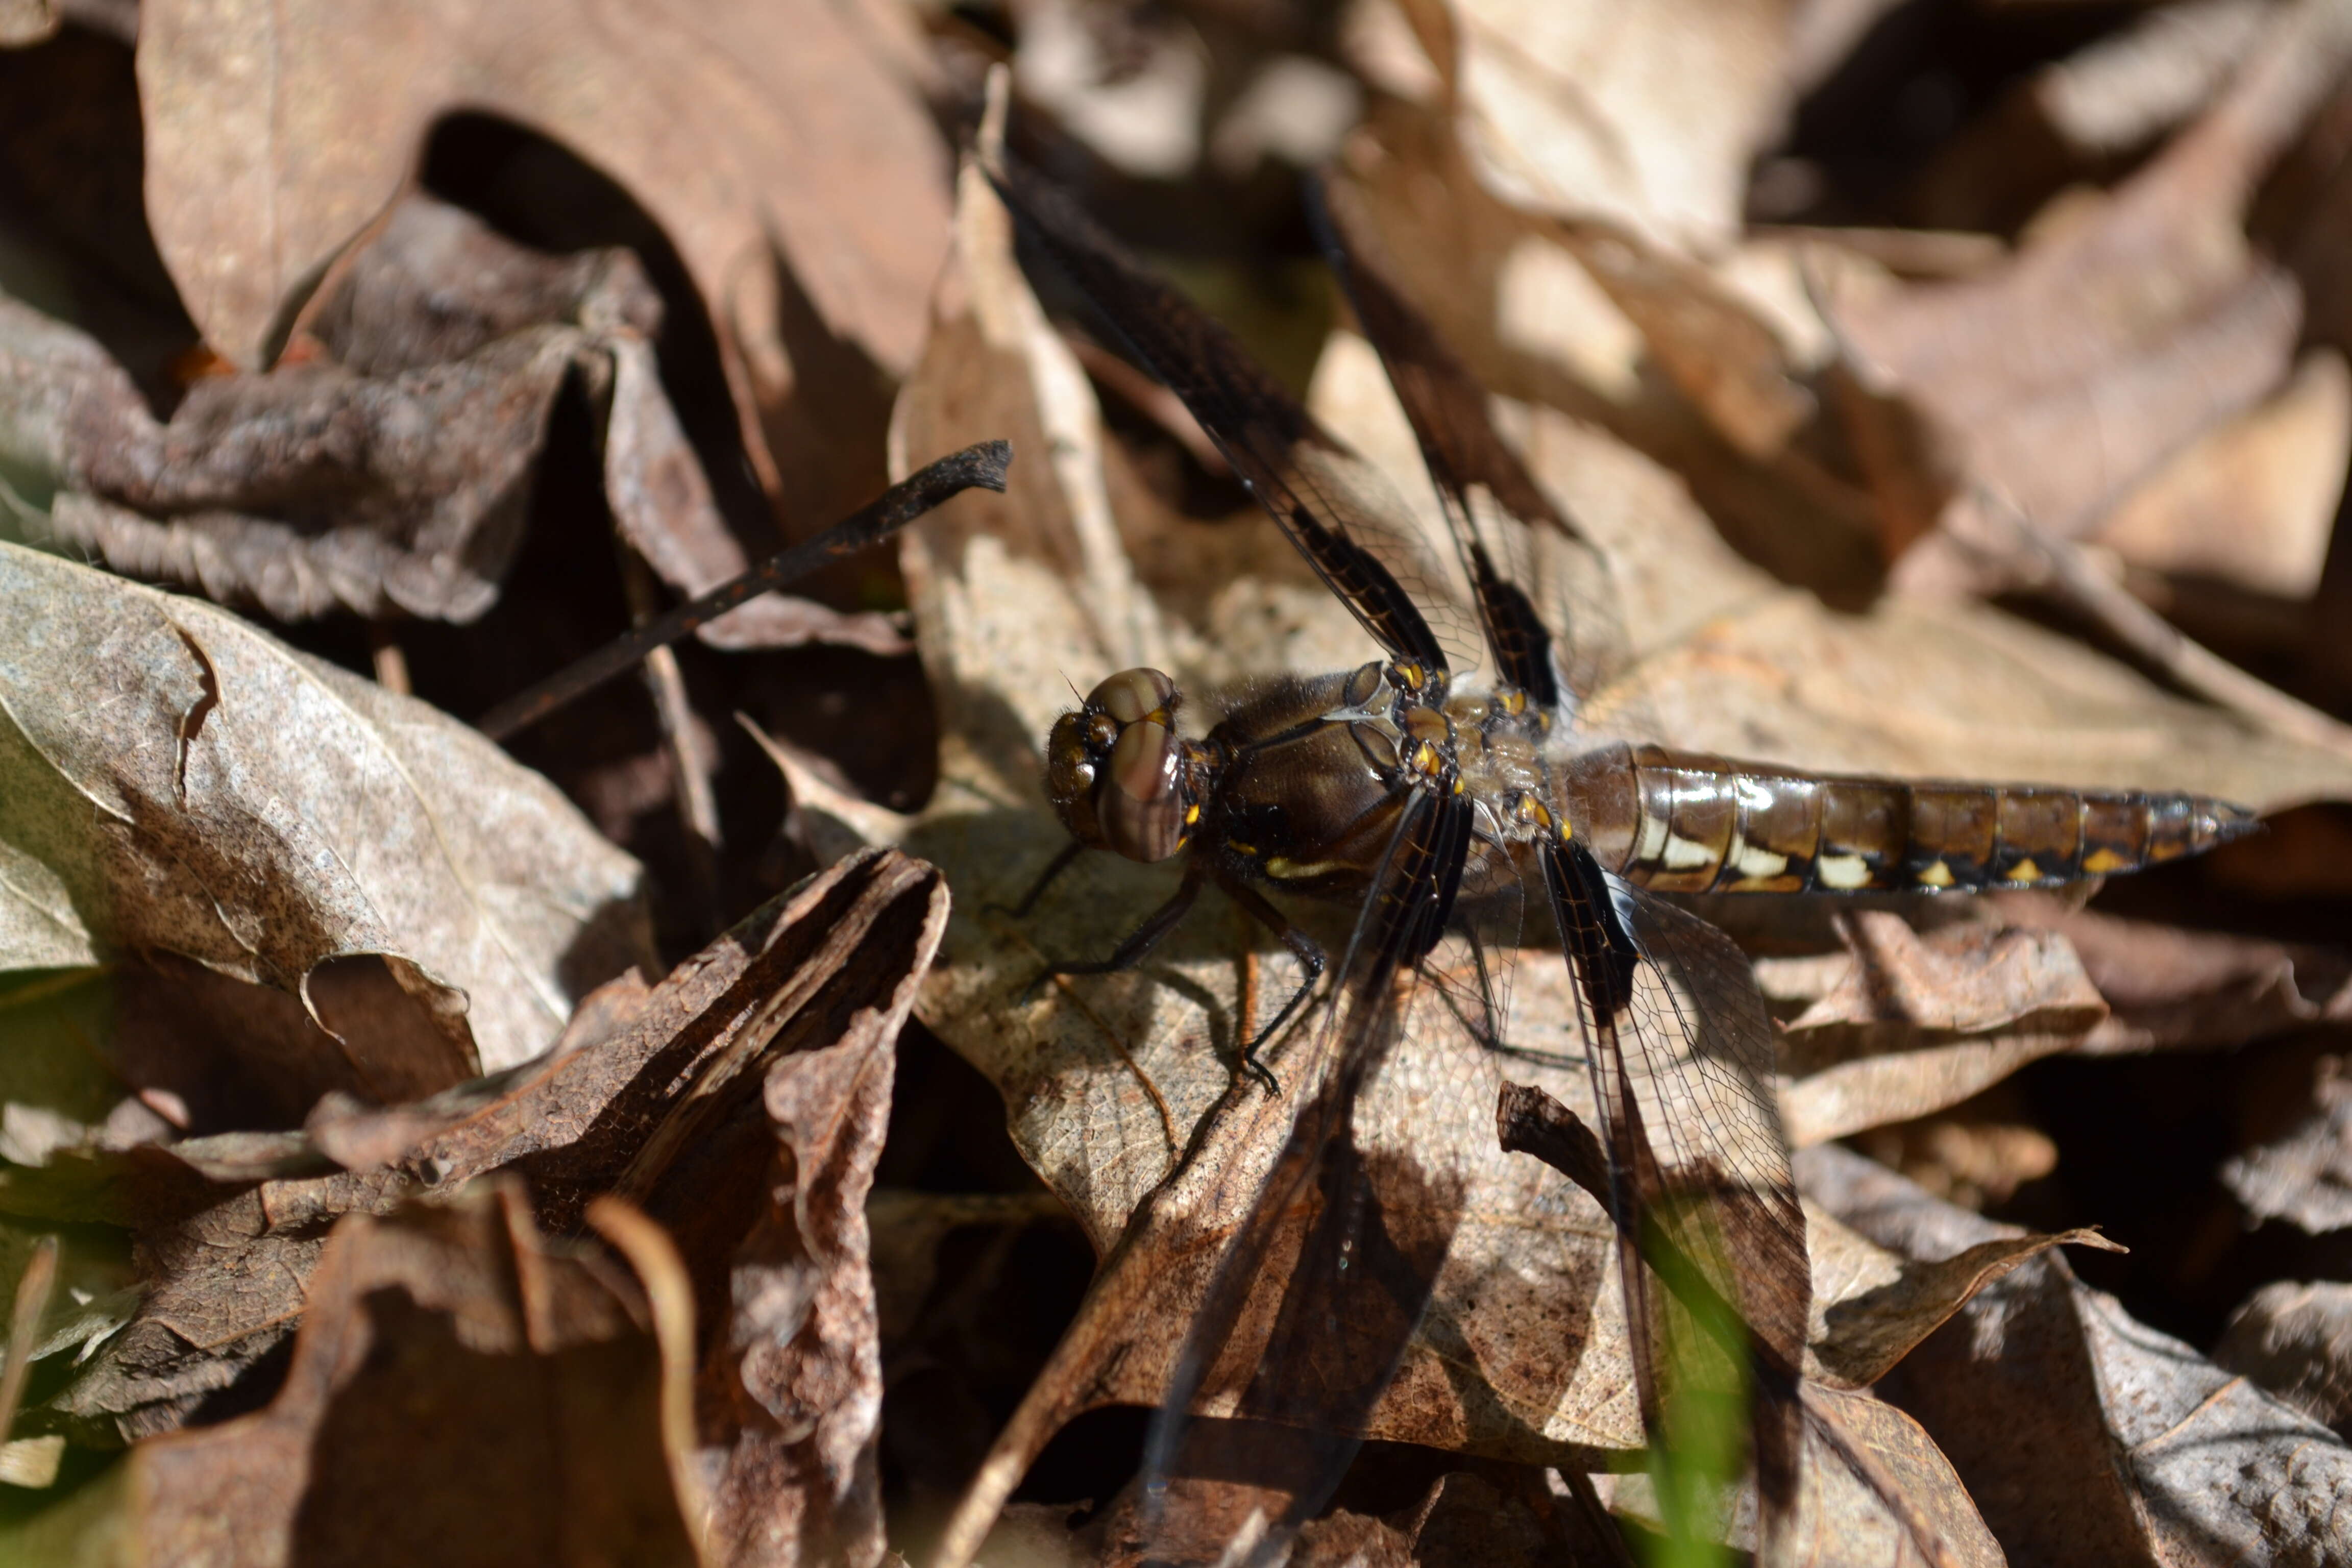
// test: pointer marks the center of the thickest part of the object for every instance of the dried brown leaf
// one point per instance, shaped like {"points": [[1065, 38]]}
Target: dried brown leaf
{"points": [[1874, 1306], [2070, 374], [2074, 118], [173, 779], [791, 1390], [24, 22], [1900, 1025], [226, 1260], [777, 151], [2252, 500], [2168, 988], [1865, 1471], [1875, 1489], [1715, 347], [2082, 1435], [1871, 1488], [393, 468]]}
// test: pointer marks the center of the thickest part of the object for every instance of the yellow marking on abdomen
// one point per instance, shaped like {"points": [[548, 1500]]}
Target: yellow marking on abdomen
{"points": [[2103, 861], [1935, 874], [2025, 870]]}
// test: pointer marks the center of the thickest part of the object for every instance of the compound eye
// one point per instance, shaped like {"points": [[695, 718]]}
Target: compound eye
{"points": [[1133, 694], [1140, 801]]}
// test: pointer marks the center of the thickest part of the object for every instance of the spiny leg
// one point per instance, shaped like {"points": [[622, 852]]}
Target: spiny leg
{"points": [[1302, 947]]}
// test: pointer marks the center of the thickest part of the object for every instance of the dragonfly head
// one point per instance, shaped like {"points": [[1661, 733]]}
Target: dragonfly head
{"points": [[1116, 772]]}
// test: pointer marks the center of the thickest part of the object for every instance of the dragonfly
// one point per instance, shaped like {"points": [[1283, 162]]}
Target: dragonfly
{"points": [[1456, 795]]}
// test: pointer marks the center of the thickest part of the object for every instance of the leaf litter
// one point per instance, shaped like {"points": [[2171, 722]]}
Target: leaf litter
{"points": [[294, 1124]]}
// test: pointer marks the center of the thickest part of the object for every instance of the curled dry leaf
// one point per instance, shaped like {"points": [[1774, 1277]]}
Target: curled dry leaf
{"points": [[393, 468], [226, 1259], [2082, 1435], [2294, 1338], [791, 1388], [2168, 988], [1903, 1024], [778, 154], [510, 1380], [172, 779], [1872, 1305]]}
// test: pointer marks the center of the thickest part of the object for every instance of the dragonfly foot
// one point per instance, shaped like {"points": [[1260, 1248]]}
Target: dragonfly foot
{"points": [[1258, 1069]]}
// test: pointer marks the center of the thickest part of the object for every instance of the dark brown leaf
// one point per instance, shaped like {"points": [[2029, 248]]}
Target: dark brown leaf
{"points": [[392, 467]]}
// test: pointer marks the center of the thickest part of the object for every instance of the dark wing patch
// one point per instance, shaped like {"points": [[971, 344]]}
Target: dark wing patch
{"points": [[1326, 498]]}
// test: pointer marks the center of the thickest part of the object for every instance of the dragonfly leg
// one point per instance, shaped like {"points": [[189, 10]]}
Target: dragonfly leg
{"points": [[1046, 879], [1302, 947], [1142, 938]]}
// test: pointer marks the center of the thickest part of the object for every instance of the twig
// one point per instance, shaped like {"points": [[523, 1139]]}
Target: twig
{"points": [[981, 464], [2057, 568], [690, 763]]}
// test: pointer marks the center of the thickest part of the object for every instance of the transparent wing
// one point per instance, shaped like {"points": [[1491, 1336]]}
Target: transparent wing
{"points": [[1333, 505], [1698, 1174], [1384, 1217], [1542, 591]]}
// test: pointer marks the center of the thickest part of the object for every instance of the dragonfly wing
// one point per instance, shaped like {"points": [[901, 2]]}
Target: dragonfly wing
{"points": [[1699, 1179], [1541, 589], [1334, 506], [1382, 1219]]}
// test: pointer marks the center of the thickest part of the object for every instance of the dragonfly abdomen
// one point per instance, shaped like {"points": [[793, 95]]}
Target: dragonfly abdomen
{"points": [[1685, 821]]}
